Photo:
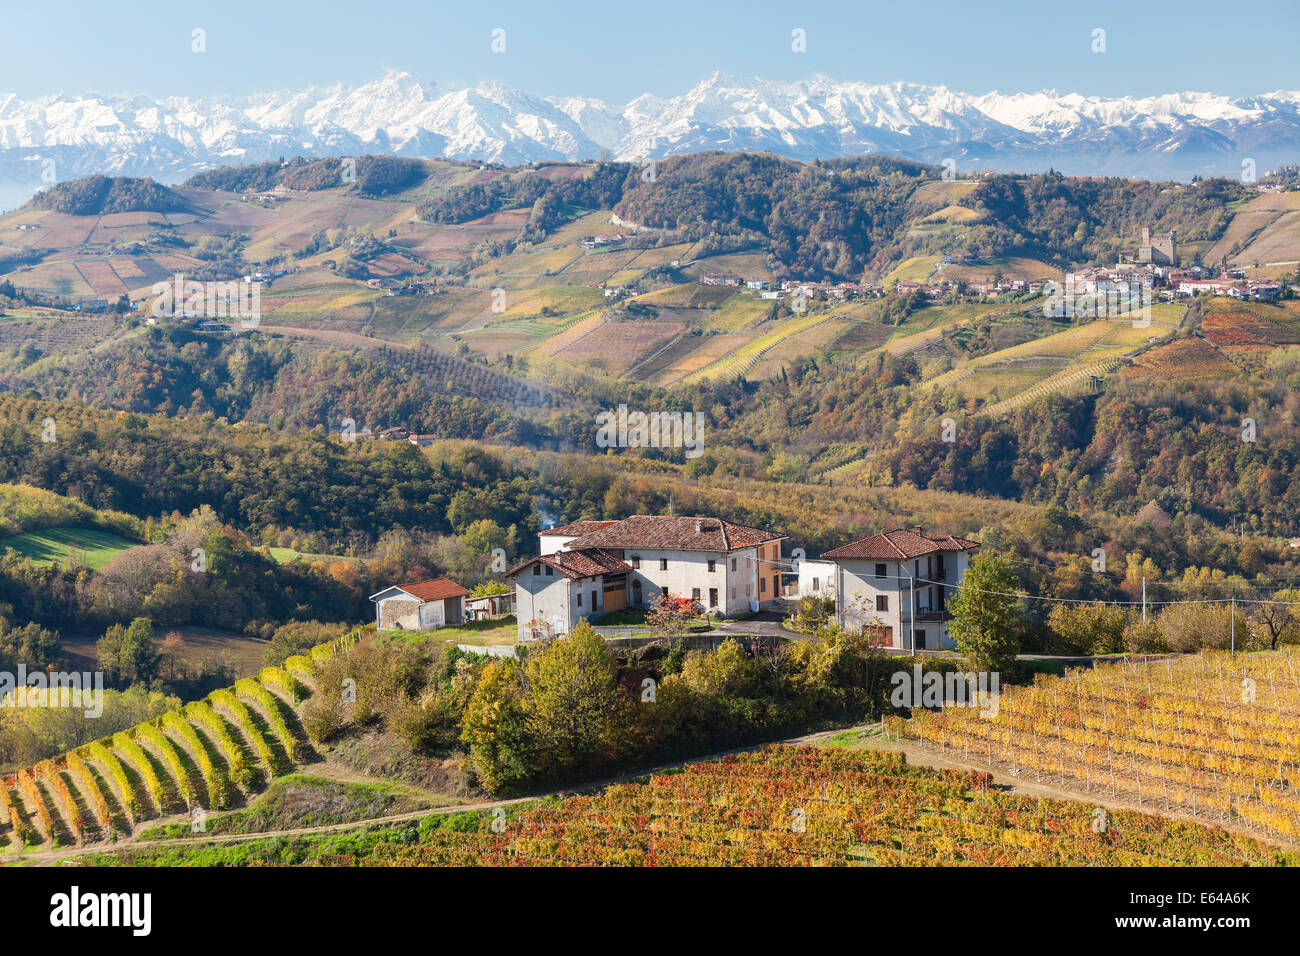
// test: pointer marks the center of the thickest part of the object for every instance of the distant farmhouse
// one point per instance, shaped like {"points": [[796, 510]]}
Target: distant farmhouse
{"points": [[898, 584], [721, 278], [590, 568]]}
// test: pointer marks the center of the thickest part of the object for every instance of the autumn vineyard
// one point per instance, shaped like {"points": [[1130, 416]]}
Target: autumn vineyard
{"points": [[1187, 762], [790, 806], [1213, 736], [209, 755]]}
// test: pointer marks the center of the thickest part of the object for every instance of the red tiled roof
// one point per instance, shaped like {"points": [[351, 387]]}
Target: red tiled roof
{"points": [[576, 528], [580, 563], [434, 590], [676, 533], [894, 545]]}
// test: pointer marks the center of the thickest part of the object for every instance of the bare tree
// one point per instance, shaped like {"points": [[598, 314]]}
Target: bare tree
{"points": [[1277, 617]]}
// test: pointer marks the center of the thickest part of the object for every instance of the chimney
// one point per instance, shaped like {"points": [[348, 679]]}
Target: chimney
{"points": [[699, 525]]}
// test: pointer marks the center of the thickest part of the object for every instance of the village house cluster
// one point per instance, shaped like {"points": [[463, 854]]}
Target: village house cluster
{"points": [[841, 291], [1281, 180], [975, 288], [1171, 282], [894, 585]]}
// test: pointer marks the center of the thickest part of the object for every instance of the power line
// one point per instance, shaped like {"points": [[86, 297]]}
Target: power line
{"points": [[1059, 600]]}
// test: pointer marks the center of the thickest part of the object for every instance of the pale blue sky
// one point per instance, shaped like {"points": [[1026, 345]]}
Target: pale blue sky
{"points": [[615, 50]]}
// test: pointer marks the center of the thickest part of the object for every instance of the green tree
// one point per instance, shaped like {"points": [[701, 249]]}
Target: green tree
{"points": [[128, 653], [483, 536], [1089, 628], [985, 619], [501, 753], [572, 701], [31, 645]]}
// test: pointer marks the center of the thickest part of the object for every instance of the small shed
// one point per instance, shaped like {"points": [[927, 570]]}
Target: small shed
{"points": [[422, 606], [489, 605]]}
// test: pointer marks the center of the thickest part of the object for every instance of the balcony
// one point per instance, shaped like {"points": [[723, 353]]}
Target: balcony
{"points": [[925, 615]]}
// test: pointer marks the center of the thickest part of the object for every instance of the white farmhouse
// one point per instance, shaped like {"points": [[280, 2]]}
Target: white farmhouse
{"points": [[817, 578], [421, 606], [553, 592], [900, 582], [726, 568]]}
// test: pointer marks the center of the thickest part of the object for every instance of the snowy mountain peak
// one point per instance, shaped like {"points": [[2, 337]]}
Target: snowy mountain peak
{"points": [[1175, 135]]}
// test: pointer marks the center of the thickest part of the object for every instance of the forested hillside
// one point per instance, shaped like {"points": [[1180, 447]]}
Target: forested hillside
{"points": [[1080, 220], [374, 175], [102, 195]]}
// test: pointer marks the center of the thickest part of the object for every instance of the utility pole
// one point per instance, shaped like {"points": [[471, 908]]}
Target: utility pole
{"points": [[911, 605], [1232, 627], [1144, 600]]}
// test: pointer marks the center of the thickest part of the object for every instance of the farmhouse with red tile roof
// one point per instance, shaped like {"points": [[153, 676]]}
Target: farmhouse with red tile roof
{"points": [[590, 568], [554, 538], [899, 583]]}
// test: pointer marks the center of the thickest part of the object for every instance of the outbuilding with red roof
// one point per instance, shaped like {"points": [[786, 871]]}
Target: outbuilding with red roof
{"points": [[421, 605]]}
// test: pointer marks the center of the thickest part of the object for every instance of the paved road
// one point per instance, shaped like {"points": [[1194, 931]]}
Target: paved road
{"points": [[769, 622]]}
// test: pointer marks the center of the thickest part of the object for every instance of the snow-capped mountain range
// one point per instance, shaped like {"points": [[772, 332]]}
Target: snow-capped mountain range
{"points": [[1176, 135]]}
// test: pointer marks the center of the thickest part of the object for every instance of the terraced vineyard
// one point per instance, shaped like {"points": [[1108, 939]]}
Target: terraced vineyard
{"points": [[791, 806], [209, 755], [469, 377], [1068, 381], [740, 362], [1064, 363], [1215, 737], [56, 335]]}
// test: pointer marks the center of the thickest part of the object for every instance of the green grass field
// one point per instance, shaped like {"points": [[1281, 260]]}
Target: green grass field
{"points": [[503, 630], [289, 556], [66, 545]]}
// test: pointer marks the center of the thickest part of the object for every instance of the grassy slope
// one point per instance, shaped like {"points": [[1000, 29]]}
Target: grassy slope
{"points": [[66, 545]]}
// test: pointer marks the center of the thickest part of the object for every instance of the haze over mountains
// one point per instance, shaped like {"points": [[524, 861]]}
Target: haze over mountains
{"points": [[1177, 135]]}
